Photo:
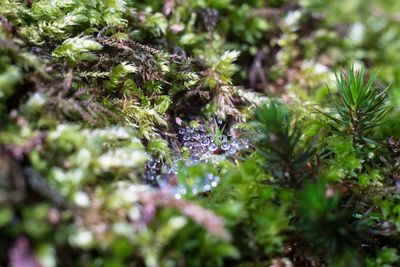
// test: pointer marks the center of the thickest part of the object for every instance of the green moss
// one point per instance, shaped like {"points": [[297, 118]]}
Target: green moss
{"points": [[95, 95]]}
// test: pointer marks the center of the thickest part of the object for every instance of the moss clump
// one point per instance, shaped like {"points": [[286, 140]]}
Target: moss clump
{"points": [[199, 133]]}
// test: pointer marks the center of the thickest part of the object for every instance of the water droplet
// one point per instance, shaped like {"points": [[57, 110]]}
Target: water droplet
{"points": [[194, 160], [225, 146], [207, 187], [197, 152], [231, 151], [222, 138], [182, 191], [212, 147], [195, 190], [203, 150], [205, 142], [196, 136], [235, 144], [205, 135]]}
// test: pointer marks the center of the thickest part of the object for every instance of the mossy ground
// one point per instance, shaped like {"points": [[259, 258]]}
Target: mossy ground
{"points": [[199, 133]]}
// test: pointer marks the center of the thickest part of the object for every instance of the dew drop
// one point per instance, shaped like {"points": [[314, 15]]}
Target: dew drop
{"points": [[194, 160], [196, 136], [182, 191], [195, 190], [205, 142], [232, 151], [222, 138], [235, 144], [225, 146], [212, 147], [207, 187], [203, 150], [205, 135]]}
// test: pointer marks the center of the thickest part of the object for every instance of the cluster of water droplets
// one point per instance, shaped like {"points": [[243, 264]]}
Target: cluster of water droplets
{"points": [[202, 143], [203, 147], [153, 172], [163, 175]]}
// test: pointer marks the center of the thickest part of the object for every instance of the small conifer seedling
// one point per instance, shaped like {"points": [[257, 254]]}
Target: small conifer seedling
{"points": [[280, 143], [361, 106]]}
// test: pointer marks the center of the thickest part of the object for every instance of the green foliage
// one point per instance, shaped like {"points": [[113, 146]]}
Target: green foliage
{"points": [[279, 143], [341, 157], [145, 119], [216, 131], [94, 96], [362, 106], [325, 224], [119, 74], [9, 77], [385, 257], [221, 69], [159, 147], [115, 150], [256, 211], [77, 49]]}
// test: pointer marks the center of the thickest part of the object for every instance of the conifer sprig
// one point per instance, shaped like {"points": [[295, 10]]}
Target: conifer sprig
{"points": [[280, 143], [361, 106]]}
